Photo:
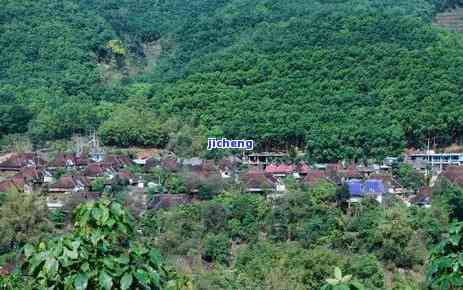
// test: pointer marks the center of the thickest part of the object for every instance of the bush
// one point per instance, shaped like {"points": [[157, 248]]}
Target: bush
{"points": [[217, 248], [368, 270]]}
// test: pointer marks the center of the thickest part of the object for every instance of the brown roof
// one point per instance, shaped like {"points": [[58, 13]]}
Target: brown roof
{"points": [[169, 164], [98, 169], [19, 160], [424, 195], [63, 160], [8, 185], [126, 175], [70, 182], [454, 174], [206, 169], [315, 176], [350, 172], [32, 174], [118, 160], [257, 178], [86, 195], [333, 167], [226, 163]]}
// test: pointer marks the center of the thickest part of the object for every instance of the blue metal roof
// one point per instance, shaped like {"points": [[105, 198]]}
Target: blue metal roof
{"points": [[355, 188], [374, 186]]}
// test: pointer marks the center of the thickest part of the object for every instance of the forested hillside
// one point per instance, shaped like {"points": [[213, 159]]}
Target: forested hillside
{"points": [[342, 79]]}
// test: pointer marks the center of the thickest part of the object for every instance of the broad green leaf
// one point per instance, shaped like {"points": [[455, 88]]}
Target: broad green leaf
{"points": [[455, 239], [85, 267], [71, 254], [357, 285], [97, 214], [104, 216], [337, 273], [28, 250], [116, 209], [105, 281], [346, 278], [51, 265], [109, 262], [81, 281], [142, 277], [126, 281], [156, 279], [332, 281], [155, 257], [123, 260]]}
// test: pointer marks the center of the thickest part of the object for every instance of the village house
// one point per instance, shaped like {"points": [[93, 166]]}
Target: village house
{"points": [[11, 185], [372, 188], [69, 184], [437, 162], [60, 191], [68, 160], [422, 198], [227, 168], [257, 180], [349, 173], [20, 160], [119, 161], [301, 170], [280, 170], [102, 169], [315, 176], [390, 183], [262, 159], [36, 176], [127, 177], [170, 164], [453, 174]]}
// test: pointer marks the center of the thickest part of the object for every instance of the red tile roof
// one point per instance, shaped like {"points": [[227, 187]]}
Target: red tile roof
{"points": [[98, 169], [118, 160], [279, 169], [258, 179], [31, 174], [315, 176], [64, 160], [70, 182], [302, 168], [20, 160]]}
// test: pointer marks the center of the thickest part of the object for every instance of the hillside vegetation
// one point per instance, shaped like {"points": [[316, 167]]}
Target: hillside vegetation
{"points": [[342, 79]]}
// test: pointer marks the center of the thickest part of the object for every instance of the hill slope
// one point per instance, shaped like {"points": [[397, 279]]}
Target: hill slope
{"points": [[349, 80], [345, 79]]}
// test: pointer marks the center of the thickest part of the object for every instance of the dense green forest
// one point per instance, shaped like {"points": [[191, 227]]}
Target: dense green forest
{"points": [[341, 79]]}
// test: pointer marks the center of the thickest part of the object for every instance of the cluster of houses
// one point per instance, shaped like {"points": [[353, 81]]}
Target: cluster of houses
{"points": [[71, 175], [30, 172]]}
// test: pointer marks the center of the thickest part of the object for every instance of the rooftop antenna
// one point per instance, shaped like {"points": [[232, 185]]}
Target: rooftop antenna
{"points": [[428, 157], [95, 151]]}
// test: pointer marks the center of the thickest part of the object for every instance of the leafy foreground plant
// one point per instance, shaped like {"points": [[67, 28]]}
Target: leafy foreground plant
{"points": [[340, 282], [100, 253], [446, 265]]}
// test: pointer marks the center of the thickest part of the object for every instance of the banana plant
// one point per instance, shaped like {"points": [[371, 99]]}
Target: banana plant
{"points": [[340, 282]]}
